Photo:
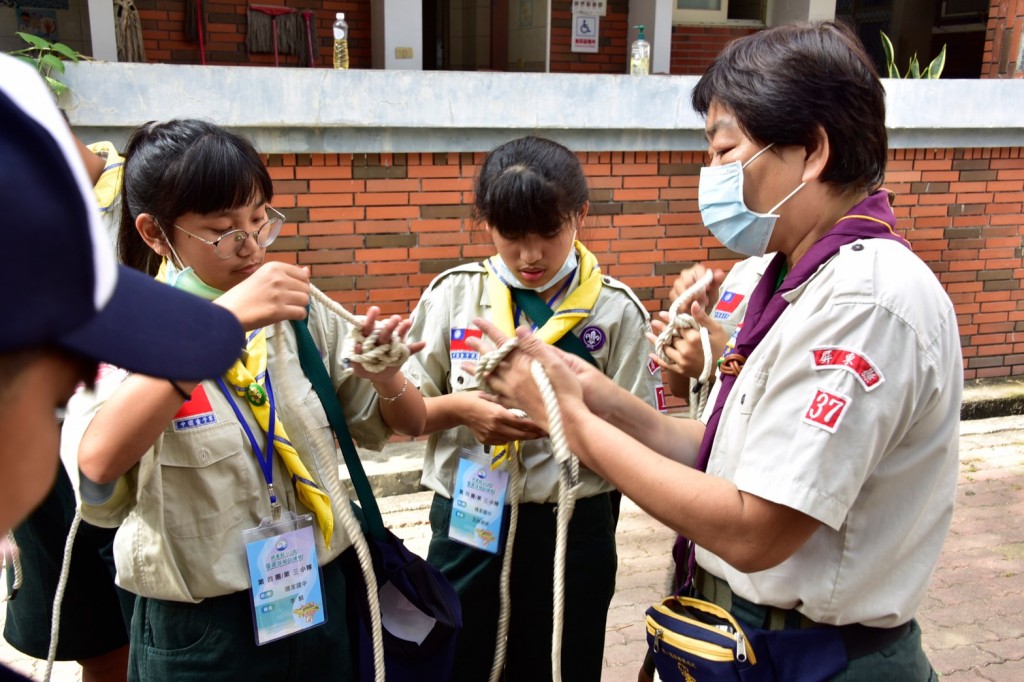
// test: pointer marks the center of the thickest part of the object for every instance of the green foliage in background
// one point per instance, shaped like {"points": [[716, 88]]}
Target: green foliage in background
{"points": [[47, 58], [934, 69]]}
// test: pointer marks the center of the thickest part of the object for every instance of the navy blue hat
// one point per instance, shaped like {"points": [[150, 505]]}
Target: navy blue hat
{"points": [[59, 280]]}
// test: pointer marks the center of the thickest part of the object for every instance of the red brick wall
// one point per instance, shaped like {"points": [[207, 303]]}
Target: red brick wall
{"points": [[693, 47], [375, 229], [1003, 40], [163, 29], [164, 23]]}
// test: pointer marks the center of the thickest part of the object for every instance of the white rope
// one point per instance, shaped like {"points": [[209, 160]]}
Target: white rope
{"points": [[373, 358], [11, 546], [505, 581], [319, 440], [58, 598], [568, 485], [678, 323]]}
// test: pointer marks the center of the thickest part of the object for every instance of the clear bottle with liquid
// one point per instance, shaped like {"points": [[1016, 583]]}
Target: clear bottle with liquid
{"points": [[340, 41], [640, 55]]}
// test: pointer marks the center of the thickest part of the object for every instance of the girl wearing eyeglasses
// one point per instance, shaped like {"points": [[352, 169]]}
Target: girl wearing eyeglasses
{"points": [[192, 471]]}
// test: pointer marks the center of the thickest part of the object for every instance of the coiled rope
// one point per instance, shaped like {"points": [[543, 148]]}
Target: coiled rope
{"points": [[568, 485], [680, 322], [373, 358]]}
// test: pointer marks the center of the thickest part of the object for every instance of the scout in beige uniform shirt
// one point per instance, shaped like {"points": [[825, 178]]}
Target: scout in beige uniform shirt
{"points": [[614, 334], [183, 507]]}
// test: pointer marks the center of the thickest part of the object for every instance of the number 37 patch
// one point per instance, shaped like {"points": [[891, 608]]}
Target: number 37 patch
{"points": [[826, 410]]}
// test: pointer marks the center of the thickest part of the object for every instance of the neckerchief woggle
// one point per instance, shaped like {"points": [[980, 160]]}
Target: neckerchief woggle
{"points": [[248, 378], [577, 306], [872, 218]]}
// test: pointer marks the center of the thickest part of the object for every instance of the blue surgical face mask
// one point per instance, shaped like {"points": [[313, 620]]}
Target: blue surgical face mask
{"points": [[571, 261], [720, 199]]}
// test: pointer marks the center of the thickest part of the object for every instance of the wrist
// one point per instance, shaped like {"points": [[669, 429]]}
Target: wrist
{"points": [[392, 390]]}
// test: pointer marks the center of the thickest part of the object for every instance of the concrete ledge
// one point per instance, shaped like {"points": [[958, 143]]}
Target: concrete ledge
{"points": [[293, 110], [987, 398]]}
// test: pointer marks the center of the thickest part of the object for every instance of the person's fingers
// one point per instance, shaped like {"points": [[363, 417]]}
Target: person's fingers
{"points": [[490, 330]]}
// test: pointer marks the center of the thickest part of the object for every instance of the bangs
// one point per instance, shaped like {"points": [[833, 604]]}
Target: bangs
{"points": [[217, 174]]}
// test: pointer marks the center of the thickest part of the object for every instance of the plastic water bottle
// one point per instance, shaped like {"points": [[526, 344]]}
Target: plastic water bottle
{"points": [[640, 55], [340, 41]]}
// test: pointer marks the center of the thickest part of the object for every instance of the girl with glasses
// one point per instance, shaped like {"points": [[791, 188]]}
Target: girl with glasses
{"points": [[192, 471]]}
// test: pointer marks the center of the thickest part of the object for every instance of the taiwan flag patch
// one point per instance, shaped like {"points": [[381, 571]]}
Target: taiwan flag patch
{"points": [[460, 350], [196, 411], [727, 305]]}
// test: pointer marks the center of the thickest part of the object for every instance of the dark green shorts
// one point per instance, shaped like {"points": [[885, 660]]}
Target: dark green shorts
{"points": [[90, 596], [589, 585], [214, 641]]}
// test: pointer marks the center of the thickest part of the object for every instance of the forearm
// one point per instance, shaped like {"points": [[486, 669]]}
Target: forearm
{"points": [[127, 425], [676, 438], [748, 532], [447, 411], [401, 405]]}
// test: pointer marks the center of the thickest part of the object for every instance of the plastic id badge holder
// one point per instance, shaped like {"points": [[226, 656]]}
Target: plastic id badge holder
{"points": [[286, 586], [478, 502]]}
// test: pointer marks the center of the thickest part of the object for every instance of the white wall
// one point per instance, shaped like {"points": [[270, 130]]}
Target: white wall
{"points": [[397, 24]]}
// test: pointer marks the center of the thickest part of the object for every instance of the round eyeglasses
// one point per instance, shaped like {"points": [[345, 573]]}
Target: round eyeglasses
{"points": [[230, 243]]}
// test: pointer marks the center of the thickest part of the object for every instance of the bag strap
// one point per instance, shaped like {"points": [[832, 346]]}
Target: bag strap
{"points": [[540, 313], [313, 366]]}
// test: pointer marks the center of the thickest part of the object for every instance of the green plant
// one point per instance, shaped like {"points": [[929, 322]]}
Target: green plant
{"points": [[47, 58], [934, 69]]}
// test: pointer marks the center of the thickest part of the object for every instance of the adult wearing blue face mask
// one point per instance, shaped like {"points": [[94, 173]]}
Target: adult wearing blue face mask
{"points": [[820, 489]]}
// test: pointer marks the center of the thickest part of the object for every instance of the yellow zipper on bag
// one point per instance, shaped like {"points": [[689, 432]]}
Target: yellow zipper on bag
{"points": [[706, 650], [744, 652]]}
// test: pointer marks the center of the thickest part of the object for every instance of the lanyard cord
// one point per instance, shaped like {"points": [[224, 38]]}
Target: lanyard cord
{"points": [[266, 461]]}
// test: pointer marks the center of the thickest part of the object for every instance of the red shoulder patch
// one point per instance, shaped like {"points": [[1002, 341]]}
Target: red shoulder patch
{"points": [[832, 357]]}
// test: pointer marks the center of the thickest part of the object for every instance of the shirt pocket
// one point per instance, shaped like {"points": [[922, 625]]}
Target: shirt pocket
{"points": [[206, 481]]}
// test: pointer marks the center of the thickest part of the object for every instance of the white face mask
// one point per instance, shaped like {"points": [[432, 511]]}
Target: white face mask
{"points": [[720, 199], [571, 261]]}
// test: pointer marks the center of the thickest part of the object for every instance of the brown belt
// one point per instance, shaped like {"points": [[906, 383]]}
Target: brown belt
{"points": [[859, 640]]}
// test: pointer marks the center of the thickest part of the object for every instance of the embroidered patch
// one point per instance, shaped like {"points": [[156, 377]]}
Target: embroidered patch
{"points": [[727, 304], [195, 412], [593, 338], [730, 345], [826, 410], [652, 366], [839, 358], [460, 350], [659, 397]]}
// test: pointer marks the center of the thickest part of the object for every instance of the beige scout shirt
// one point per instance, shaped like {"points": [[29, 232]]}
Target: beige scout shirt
{"points": [[848, 411], [615, 332], [183, 507]]}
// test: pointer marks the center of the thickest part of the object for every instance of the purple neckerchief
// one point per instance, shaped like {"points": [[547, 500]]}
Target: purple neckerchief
{"points": [[872, 218]]}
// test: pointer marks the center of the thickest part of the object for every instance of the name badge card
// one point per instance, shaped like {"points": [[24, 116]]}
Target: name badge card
{"points": [[284, 576], [478, 504]]}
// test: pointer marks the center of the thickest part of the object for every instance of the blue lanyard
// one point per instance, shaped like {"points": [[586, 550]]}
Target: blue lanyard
{"points": [[551, 302], [266, 459]]}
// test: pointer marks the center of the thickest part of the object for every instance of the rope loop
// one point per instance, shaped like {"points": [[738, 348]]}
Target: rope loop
{"points": [[374, 358]]}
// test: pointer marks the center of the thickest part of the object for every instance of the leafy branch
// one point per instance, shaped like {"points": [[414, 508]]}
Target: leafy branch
{"points": [[47, 58]]}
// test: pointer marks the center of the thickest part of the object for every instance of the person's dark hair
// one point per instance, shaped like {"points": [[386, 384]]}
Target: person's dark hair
{"points": [[529, 185], [184, 166], [783, 82]]}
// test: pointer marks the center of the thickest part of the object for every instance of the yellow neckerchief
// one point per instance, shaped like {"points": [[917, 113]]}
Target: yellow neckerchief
{"points": [[247, 379], [108, 187], [578, 305]]}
